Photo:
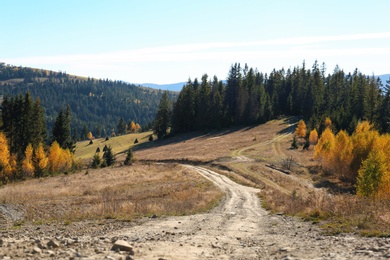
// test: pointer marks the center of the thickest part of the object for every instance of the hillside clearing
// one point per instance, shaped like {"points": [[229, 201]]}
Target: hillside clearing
{"points": [[119, 144]]}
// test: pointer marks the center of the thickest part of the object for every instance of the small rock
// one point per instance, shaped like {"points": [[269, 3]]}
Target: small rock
{"points": [[37, 250], [53, 244], [123, 246], [70, 241]]}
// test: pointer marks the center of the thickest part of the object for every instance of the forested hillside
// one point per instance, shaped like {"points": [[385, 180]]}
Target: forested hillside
{"points": [[96, 105], [250, 96]]}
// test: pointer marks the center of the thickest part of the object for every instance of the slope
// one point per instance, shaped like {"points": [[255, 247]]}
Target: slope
{"points": [[96, 104]]}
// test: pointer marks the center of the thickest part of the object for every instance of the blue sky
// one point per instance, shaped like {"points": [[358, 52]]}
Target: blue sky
{"points": [[170, 41]]}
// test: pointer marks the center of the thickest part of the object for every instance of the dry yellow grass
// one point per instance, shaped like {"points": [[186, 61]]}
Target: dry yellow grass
{"points": [[121, 193]]}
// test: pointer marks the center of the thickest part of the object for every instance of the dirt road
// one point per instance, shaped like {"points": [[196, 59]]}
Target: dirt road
{"points": [[241, 229]]}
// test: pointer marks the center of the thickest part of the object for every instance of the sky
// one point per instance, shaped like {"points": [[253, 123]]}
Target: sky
{"points": [[170, 41]]}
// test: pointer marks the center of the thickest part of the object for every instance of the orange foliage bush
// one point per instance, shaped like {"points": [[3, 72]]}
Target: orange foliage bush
{"points": [[362, 159]]}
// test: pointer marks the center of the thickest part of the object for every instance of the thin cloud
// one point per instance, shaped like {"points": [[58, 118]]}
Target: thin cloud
{"points": [[302, 47]]}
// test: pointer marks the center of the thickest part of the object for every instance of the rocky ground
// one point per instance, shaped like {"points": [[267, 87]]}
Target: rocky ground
{"points": [[239, 228]]}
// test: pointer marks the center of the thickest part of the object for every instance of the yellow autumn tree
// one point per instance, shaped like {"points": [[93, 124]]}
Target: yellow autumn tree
{"points": [[363, 140], [67, 159], [40, 161], [342, 156], [300, 131], [90, 136], [383, 144], [54, 157], [5, 166], [325, 146], [27, 163], [137, 127], [59, 160], [313, 137], [132, 127], [328, 122]]}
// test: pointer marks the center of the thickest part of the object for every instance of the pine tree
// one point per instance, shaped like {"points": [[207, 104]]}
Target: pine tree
{"points": [[84, 133], [232, 93], [385, 110], [61, 130], [129, 157], [163, 117], [121, 127], [96, 161], [108, 157]]}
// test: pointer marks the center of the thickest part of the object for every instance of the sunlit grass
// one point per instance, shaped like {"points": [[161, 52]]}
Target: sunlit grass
{"points": [[119, 144], [121, 193]]}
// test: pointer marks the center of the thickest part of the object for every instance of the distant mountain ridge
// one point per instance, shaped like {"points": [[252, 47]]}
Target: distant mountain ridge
{"points": [[170, 87]]}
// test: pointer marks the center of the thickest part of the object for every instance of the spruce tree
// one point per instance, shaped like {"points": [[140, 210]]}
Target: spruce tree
{"points": [[163, 117], [61, 130], [129, 157], [121, 127], [108, 157]]}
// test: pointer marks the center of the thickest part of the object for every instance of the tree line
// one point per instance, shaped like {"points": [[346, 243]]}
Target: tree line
{"points": [[23, 140], [251, 97]]}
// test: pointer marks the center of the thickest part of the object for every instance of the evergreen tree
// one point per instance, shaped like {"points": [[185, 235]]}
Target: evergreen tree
{"points": [[163, 117], [129, 157], [121, 127], [96, 161], [61, 130], [108, 157], [232, 93], [385, 110], [203, 115], [84, 133]]}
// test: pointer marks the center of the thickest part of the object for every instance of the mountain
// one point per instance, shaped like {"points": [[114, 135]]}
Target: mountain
{"points": [[170, 87], [96, 104]]}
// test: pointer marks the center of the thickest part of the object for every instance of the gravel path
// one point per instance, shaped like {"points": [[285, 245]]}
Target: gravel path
{"points": [[237, 229]]}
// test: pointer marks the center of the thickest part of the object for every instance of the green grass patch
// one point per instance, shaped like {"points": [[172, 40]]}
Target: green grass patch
{"points": [[119, 144]]}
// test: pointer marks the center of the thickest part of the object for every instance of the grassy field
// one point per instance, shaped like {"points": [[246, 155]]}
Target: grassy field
{"points": [[123, 193], [119, 144]]}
